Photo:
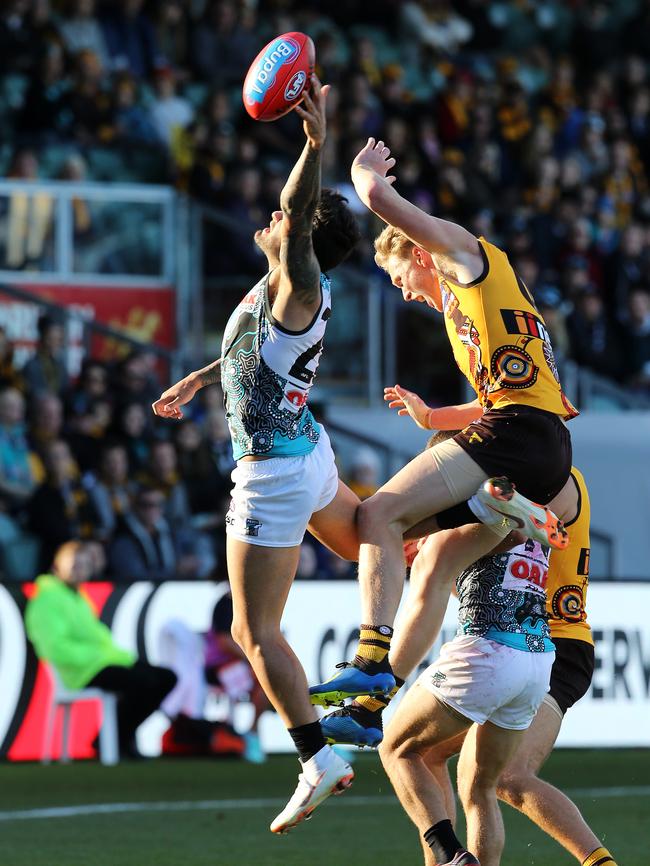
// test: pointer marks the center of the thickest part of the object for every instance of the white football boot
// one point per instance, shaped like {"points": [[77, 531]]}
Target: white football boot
{"points": [[497, 501], [324, 774]]}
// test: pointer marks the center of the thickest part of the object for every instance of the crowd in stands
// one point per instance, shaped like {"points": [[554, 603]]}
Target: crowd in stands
{"points": [[527, 121], [88, 460]]}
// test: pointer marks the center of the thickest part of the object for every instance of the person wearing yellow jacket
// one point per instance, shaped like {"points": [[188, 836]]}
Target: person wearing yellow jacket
{"points": [[66, 632]]}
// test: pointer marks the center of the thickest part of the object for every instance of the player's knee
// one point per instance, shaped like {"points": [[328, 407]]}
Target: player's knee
{"points": [[511, 788], [476, 787], [376, 514], [253, 637]]}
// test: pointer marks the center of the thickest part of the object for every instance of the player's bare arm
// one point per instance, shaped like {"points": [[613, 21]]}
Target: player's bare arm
{"points": [[299, 294], [168, 405], [454, 248], [427, 418]]}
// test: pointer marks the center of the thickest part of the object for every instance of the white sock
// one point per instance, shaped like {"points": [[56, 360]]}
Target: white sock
{"points": [[318, 762]]}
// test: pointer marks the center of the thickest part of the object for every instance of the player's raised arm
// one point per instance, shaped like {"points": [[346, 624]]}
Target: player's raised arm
{"points": [[374, 185], [299, 288]]}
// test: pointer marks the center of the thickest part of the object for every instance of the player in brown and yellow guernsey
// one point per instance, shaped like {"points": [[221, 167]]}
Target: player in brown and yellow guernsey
{"points": [[514, 428]]}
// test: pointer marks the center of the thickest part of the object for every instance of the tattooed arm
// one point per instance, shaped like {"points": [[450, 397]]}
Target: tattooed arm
{"points": [[299, 293], [168, 405]]}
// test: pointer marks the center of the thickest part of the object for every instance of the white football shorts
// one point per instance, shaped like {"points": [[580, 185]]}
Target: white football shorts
{"points": [[273, 500], [488, 681]]}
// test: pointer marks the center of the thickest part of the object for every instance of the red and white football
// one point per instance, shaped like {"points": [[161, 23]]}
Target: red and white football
{"points": [[278, 76]]}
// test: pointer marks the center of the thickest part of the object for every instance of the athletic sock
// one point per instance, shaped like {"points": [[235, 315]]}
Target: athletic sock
{"points": [[443, 841], [457, 515], [599, 857], [373, 648], [308, 740], [379, 704]]}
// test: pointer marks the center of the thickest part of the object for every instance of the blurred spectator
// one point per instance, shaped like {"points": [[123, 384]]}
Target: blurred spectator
{"points": [[436, 24], [9, 375], [222, 50], [364, 472], [28, 218], [172, 35], [227, 667], [80, 30], [91, 386], [549, 303], [45, 370], [595, 342], [74, 169], [131, 430], [169, 112], [60, 509], [130, 37], [637, 339], [143, 547], [135, 381], [17, 472], [111, 491], [207, 483], [90, 102], [67, 633], [131, 121], [45, 111], [45, 420], [162, 474]]}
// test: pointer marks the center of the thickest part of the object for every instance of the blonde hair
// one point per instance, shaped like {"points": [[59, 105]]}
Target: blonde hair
{"points": [[391, 242]]}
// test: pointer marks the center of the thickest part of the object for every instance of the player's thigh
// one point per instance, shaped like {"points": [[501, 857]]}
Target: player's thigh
{"points": [[424, 487], [565, 503], [260, 580], [335, 526], [445, 555], [420, 723], [486, 752], [536, 744]]}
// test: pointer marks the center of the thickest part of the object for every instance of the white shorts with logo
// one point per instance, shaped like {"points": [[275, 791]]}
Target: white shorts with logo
{"points": [[273, 500], [488, 681]]}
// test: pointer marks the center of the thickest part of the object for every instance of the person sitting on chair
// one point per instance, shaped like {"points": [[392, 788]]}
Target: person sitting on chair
{"points": [[66, 632]]}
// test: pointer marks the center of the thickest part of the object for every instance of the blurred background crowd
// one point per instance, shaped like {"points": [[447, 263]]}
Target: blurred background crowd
{"points": [[528, 121], [89, 461]]}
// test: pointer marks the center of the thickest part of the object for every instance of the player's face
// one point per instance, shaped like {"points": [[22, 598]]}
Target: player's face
{"points": [[268, 238], [416, 279]]}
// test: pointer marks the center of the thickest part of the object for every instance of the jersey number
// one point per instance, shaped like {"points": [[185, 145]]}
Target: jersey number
{"points": [[299, 370]]}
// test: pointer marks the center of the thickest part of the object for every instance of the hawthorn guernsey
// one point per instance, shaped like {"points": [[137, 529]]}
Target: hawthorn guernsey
{"points": [[278, 76]]}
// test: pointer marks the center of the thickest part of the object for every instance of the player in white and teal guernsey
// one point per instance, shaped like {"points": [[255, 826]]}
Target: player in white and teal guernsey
{"points": [[285, 480]]}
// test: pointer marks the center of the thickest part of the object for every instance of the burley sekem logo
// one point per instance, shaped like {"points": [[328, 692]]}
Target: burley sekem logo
{"points": [[279, 52]]}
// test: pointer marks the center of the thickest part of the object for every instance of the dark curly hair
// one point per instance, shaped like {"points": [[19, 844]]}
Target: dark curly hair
{"points": [[335, 232]]}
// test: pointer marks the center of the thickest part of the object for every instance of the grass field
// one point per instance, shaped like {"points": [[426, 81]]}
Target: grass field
{"points": [[216, 813]]}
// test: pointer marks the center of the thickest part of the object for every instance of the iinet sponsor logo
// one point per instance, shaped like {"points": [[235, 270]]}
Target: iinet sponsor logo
{"points": [[279, 53]]}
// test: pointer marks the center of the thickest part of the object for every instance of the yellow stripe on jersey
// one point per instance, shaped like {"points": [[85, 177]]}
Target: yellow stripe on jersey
{"points": [[568, 574], [499, 339]]}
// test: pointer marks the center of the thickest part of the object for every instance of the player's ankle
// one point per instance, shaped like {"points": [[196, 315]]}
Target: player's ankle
{"points": [[373, 648], [599, 857]]}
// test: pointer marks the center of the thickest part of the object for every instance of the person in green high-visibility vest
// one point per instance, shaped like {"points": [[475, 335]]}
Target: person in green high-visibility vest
{"points": [[67, 633]]}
